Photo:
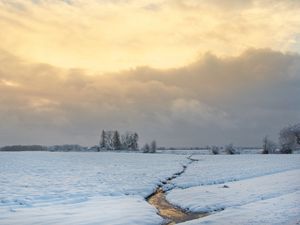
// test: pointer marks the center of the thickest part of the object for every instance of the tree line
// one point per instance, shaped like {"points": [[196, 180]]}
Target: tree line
{"points": [[288, 141], [112, 140]]}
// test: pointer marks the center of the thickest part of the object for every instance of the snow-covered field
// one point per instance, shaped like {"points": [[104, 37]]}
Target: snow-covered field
{"points": [[110, 188], [251, 189], [224, 168], [81, 188]]}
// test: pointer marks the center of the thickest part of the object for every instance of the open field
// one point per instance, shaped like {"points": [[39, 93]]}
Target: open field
{"points": [[111, 188]]}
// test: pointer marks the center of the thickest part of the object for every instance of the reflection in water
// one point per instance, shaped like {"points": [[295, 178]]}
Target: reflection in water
{"points": [[170, 212]]}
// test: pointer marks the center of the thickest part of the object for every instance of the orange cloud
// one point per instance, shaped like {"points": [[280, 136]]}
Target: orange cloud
{"points": [[116, 35]]}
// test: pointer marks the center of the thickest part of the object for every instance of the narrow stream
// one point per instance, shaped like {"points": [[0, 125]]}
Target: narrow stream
{"points": [[172, 214]]}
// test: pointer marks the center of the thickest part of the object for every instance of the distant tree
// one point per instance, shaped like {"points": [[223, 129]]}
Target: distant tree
{"points": [[289, 138], [135, 140], [269, 147], [103, 140], [67, 148], [24, 148], [153, 146], [106, 140], [146, 148], [230, 150], [109, 140], [295, 129], [214, 150], [125, 140], [116, 141], [129, 141]]}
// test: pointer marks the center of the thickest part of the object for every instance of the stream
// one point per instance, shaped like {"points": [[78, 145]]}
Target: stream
{"points": [[171, 213]]}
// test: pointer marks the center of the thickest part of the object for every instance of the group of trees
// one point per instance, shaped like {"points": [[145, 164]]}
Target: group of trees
{"points": [[269, 146], [112, 140], [54, 148], [18, 148], [289, 141], [150, 148], [228, 149], [67, 148]]}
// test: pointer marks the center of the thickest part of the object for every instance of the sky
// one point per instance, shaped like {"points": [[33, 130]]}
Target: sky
{"points": [[183, 72]]}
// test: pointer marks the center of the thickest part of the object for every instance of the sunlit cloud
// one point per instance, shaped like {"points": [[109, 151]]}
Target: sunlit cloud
{"points": [[9, 83], [183, 71], [110, 35]]}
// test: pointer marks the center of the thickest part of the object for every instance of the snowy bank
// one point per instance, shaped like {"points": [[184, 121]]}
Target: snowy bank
{"points": [[218, 197], [216, 169], [282, 210]]}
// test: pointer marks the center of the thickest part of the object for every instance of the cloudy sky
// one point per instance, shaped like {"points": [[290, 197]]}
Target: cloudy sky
{"points": [[183, 72]]}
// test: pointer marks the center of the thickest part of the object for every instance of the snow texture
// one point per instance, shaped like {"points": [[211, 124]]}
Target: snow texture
{"points": [[252, 190], [81, 188], [110, 188], [282, 210], [114, 210], [217, 169], [217, 197]]}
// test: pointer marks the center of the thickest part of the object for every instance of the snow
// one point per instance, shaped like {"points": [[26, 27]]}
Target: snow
{"points": [[186, 152], [207, 151], [217, 197], [48, 186], [241, 189], [284, 209], [114, 210], [110, 188], [216, 169]]}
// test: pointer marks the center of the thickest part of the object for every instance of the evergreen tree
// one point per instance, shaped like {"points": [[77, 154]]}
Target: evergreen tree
{"points": [[135, 140], [103, 140], [116, 141]]}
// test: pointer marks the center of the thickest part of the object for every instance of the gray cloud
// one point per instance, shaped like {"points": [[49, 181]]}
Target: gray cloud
{"points": [[212, 101]]}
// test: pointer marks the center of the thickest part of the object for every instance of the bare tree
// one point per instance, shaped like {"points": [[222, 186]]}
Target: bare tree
{"points": [[289, 138], [146, 148], [269, 147], [153, 147], [295, 129], [109, 140], [130, 141]]}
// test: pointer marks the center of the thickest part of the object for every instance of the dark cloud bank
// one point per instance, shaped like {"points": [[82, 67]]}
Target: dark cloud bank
{"points": [[212, 101]]}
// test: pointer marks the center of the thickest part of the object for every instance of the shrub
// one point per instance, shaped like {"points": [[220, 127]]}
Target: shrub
{"points": [[230, 150], [214, 150]]}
